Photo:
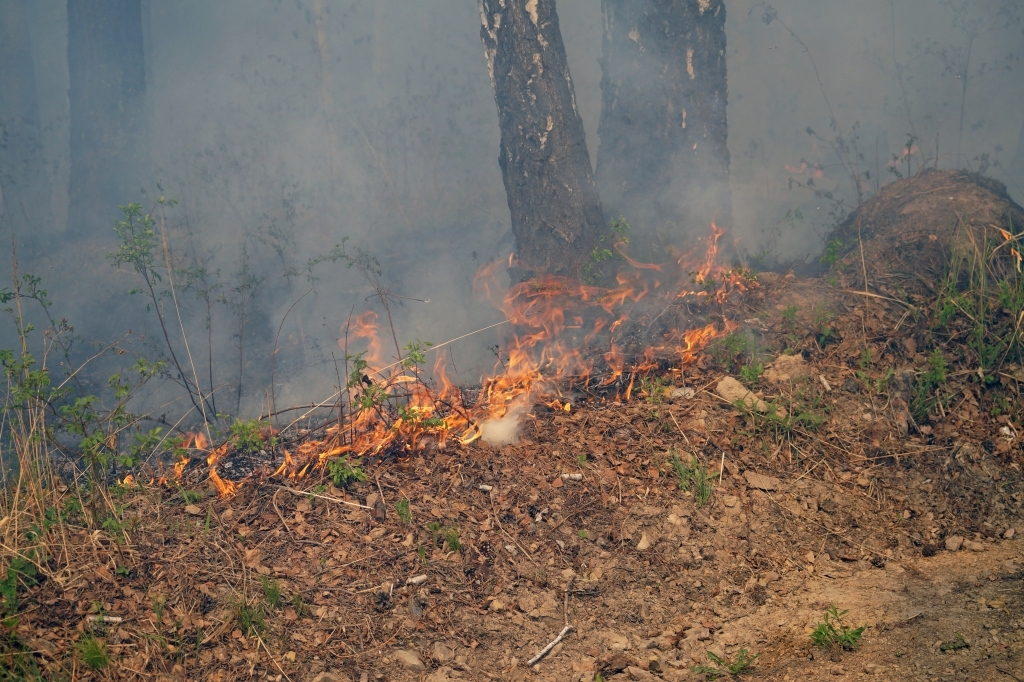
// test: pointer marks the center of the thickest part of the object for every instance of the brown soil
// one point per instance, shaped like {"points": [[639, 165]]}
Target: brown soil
{"points": [[904, 236], [912, 526]]}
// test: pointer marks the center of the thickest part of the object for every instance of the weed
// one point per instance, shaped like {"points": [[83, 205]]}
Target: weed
{"points": [[739, 665], [343, 473], [251, 618], [693, 473], [451, 537], [403, 510], [583, 535], [955, 644], [831, 632], [271, 590], [245, 435], [751, 373], [726, 350], [925, 397], [93, 653], [833, 252], [123, 571], [435, 529], [300, 606], [653, 389]]}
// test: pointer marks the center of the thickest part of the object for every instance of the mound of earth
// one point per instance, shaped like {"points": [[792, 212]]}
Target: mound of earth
{"points": [[903, 237]]}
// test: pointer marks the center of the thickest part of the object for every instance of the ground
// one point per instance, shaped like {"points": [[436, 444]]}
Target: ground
{"points": [[874, 471]]}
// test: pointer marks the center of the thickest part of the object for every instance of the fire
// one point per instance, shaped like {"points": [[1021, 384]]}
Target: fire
{"points": [[567, 334]]}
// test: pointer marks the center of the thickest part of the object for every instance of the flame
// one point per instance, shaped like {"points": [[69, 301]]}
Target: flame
{"points": [[566, 334]]}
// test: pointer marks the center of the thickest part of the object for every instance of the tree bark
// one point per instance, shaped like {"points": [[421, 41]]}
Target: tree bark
{"points": [[24, 187], [663, 163], [556, 211], [107, 108]]}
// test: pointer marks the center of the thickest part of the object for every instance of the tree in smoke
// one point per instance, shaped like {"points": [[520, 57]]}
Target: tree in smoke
{"points": [[107, 108], [557, 218], [24, 189], [663, 162]]}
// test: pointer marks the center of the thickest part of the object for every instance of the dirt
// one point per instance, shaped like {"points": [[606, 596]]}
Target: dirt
{"points": [[908, 525], [903, 237]]}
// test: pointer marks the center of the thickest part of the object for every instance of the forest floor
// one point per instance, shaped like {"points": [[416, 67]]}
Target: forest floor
{"points": [[913, 532]]}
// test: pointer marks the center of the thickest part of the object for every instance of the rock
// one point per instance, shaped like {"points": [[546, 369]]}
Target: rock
{"points": [[1009, 533], [644, 543], [1009, 568], [974, 546], [732, 391], [497, 605], [684, 393], [331, 677], [698, 632], [442, 674], [612, 664], [409, 660], [761, 482], [873, 668], [442, 653], [954, 542], [636, 673], [786, 368], [616, 641], [193, 510]]}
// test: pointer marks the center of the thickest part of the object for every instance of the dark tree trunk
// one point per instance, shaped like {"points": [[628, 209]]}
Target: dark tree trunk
{"points": [[107, 105], [556, 212], [24, 185], [663, 163]]}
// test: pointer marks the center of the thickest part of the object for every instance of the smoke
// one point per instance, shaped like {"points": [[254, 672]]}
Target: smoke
{"points": [[504, 430], [283, 127]]}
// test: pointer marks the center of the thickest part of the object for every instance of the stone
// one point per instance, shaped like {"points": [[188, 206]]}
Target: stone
{"points": [[616, 641], [193, 510], [873, 668], [442, 653], [732, 391], [786, 368], [684, 393], [644, 544], [497, 605], [761, 482], [327, 676], [954, 542], [974, 546], [636, 673], [442, 674], [697, 632], [409, 660], [1009, 533]]}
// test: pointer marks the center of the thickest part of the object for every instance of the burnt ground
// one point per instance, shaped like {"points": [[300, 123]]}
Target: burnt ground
{"points": [[913, 528]]}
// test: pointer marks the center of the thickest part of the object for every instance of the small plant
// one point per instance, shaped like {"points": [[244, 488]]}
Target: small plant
{"points": [[247, 435], [925, 397], [92, 652], [300, 606], [653, 389], [403, 510], [583, 534], [739, 665], [251, 618], [752, 372], [832, 633], [693, 473], [20, 571], [343, 473], [435, 529], [451, 537], [271, 590], [955, 644]]}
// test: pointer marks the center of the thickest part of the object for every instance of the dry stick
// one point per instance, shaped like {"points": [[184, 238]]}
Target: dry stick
{"points": [[300, 493], [561, 635], [177, 310], [273, 501], [273, 355]]}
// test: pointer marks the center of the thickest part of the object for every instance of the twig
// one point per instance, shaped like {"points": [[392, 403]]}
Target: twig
{"points": [[301, 493], [100, 618], [1008, 674], [273, 501], [561, 635]]}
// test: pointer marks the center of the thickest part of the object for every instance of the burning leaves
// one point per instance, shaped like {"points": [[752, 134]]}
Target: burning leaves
{"points": [[566, 336]]}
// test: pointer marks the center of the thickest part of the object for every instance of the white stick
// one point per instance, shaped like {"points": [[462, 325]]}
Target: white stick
{"points": [[104, 619], [544, 652]]}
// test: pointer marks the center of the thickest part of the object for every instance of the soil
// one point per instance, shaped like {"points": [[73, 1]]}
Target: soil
{"points": [[908, 526]]}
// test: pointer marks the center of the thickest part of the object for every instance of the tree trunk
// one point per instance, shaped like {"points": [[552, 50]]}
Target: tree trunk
{"points": [[107, 107], [663, 163], [24, 188], [556, 212]]}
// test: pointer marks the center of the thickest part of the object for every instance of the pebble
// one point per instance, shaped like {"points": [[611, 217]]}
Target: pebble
{"points": [[684, 393], [761, 482], [954, 542], [615, 641], [1009, 533], [636, 673], [644, 544], [873, 668], [409, 660], [442, 652], [974, 546]]}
